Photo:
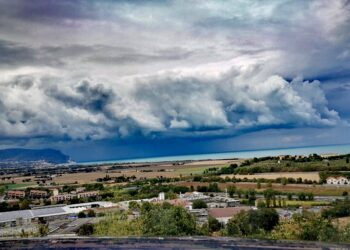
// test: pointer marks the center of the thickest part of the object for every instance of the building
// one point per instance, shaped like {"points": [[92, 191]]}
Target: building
{"points": [[15, 194], [62, 197], [55, 192], [88, 194], [47, 213], [193, 196], [223, 215], [37, 193], [80, 189], [200, 214], [341, 180], [161, 196]]}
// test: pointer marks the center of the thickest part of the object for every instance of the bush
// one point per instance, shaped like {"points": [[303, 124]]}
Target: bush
{"points": [[231, 190], [213, 187], [197, 204], [340, 209], [81, 215], [306, 226], [91, 213], [160, 220], [43, 230], [213, 224], [252, 222], [86, 229]]}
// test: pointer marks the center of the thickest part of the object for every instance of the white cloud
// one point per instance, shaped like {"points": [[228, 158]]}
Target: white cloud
{"points": [[208, 100]]}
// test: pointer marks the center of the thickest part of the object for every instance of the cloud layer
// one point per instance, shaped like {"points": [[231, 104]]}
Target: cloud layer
{"points": [[83, 70], [211, 100]]}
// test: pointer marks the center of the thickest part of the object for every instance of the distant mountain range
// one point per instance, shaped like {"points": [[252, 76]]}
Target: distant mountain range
{"points": [[33, 155]]}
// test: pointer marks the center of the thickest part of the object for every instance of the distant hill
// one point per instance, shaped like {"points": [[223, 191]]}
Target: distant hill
{"points": [[32, 155]]}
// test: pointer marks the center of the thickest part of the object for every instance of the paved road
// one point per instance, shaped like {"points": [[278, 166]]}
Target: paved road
{"points": [[72, 226]]}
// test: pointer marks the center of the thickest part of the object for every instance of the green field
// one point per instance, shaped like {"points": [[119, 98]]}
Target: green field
{"points": [[16, 186], [293, 166], [191, 170], [307, 203]]}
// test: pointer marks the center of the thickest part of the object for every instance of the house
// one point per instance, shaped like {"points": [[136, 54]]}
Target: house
{"points": [[37, 193], [223, 215], [62, 197], [191, 196], [15, 194], [80, 189], [200, 214], [88, 194], [341, 180]]}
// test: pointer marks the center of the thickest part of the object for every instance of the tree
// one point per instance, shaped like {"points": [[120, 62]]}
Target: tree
{"points": [[284, 181], [251, 222], [133, 205], [213, 187], [239, 193], [231, 190], [24, 204], [251, 195], [258, 185], [81, 214], [301, 196], [167, 221], [268, 218], [269, 195], [310, 196], [91, 213], [2, 190], [213, 224], [86, 229], [170, 195], [43, 229], [197, 204], [261, 204]]}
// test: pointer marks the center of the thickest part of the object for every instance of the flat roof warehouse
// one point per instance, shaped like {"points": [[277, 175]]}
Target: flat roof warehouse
{"points": [[52, 211]]}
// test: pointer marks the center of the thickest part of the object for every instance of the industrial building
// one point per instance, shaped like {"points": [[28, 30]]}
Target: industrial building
{"points": [[47, 213]]}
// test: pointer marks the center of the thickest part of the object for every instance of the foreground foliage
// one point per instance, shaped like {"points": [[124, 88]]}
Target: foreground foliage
{"points": [[154, 220]]}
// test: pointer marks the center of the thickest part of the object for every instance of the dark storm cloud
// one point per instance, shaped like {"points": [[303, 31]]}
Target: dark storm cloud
{"points": [[48, 10]]}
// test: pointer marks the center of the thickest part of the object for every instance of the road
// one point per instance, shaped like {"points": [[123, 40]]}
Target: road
{"points": [[72, 226]]}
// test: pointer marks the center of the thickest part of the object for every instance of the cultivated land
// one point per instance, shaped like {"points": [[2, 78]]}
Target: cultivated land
{"points": [[313, 176], [144, 170], [321, 190]]}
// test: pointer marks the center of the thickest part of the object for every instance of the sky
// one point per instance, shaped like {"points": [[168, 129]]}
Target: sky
{"points": [[103, 80]]}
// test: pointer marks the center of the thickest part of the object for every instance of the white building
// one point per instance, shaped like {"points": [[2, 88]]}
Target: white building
{"points": [[49, 213], [341, 180], [161, 196]]}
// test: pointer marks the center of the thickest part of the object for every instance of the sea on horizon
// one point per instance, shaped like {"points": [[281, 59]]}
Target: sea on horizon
{"points": [[327, 149]]}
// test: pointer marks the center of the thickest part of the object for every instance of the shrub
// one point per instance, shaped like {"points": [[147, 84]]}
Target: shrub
{"points": [[86, 229], [252, 222], [197, 204], [81, 214], [213, 224], [91, 213]]}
